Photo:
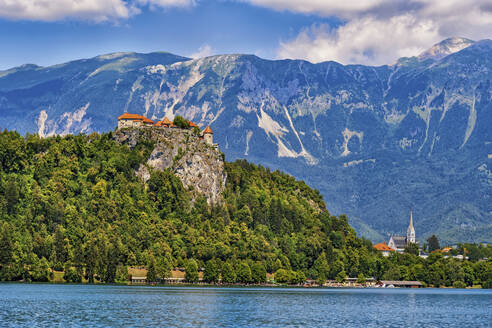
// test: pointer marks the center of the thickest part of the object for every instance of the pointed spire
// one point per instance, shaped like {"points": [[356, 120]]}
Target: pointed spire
{"points": [[411, 230]]}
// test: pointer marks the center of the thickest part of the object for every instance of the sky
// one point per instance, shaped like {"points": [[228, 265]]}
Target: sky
{"points": [[370, 32]]}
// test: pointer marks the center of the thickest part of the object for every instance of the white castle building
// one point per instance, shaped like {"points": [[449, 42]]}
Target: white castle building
{"points": [[128, 120]]}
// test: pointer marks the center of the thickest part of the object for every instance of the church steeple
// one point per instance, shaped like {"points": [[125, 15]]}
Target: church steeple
{"points": [[411, 231]]}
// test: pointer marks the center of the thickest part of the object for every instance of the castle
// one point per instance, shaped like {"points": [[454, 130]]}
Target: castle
{"points": [[128, 120], [399, 243]]}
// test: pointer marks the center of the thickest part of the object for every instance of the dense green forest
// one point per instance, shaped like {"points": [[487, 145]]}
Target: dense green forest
{"points": [[74, 204]]}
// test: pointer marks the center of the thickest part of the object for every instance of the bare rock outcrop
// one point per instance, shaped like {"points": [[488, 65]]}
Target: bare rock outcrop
{"points": [[199, 166]]}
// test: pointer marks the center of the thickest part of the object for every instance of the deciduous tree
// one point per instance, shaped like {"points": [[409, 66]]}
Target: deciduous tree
{"points": [[191, 271]]}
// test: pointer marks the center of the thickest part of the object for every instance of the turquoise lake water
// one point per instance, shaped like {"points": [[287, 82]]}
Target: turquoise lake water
{"points": [[39, 305]]}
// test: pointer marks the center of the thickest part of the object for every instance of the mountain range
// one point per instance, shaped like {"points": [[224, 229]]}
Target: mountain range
{"points": [[376, 141]]}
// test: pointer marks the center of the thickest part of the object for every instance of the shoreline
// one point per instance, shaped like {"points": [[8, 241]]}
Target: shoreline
{"points": [[193, 285]]}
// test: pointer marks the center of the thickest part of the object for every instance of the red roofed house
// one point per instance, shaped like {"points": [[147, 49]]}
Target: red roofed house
{"points": [[446, 250], [384, 249], [128, 120], [164, 123], [147, 122], [208, 135]]}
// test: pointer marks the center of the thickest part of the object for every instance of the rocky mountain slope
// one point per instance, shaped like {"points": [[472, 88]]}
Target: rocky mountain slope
{"points": [[200, 167], [376, 141]]}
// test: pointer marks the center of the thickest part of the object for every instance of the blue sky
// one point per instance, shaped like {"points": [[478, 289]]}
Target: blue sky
{"points": [[229, 27], [364, 31]]}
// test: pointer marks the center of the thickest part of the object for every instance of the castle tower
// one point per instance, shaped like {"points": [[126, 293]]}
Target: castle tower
{"points": [[411, 231], [208, 136]]}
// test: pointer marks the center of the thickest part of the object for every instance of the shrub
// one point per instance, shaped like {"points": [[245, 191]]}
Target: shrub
{"points": [[180, 122], [459, 284]]}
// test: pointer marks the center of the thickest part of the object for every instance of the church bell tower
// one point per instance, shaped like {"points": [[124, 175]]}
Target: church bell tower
{"points": [[411, 231]]}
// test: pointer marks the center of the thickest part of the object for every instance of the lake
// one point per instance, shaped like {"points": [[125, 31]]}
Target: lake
{"points": [[45, 305]]}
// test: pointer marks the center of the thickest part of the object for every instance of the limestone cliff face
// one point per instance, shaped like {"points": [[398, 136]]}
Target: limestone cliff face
{"points": [[199, 166]]}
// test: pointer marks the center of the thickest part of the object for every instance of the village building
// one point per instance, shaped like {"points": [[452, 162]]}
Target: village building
{"points": [[138, 280], [384, 249], [398, 243], [446, 250], [128, 120], [166, 123]]}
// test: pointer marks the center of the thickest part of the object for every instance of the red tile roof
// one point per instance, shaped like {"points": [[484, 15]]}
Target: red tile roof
{"points": [[128, 116], [191, 124], [383, 247], [166, 121], [135, 117], [208, 130]]}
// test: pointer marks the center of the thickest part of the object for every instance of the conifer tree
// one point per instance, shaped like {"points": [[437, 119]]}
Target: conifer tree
{"points": [[151, 270], [433, 243]]}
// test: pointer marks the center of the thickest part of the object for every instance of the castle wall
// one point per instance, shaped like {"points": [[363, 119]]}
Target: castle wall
{"points": [[129, 124]]}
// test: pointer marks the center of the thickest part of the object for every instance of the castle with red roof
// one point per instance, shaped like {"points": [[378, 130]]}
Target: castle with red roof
{"points": [[128, 120]]}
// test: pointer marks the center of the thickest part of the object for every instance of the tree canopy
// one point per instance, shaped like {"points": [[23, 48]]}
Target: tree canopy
{"points": [[75, 204], [181, 122]]}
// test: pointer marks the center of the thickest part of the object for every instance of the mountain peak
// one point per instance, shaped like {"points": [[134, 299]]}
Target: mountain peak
{"points": [[114, 55], [445, 47]]}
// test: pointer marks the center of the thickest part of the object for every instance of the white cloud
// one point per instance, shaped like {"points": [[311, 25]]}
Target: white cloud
{"points": [[324, 7], [204, 51], [363, 41], [167, 3], [52, 10], [91, 10], [381, 31]]}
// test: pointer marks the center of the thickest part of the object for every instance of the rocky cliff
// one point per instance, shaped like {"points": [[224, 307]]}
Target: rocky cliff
{"points": [[199, 166]]}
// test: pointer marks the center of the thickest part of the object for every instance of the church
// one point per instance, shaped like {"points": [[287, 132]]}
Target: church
{"points": [[399, 243]]}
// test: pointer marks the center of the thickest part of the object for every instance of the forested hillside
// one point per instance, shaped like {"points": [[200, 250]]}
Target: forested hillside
{"points": [[75, 203]]}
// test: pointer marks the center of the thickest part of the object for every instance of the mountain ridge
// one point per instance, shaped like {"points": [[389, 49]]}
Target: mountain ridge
{"points": [[445, 48], [374, 140]]}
